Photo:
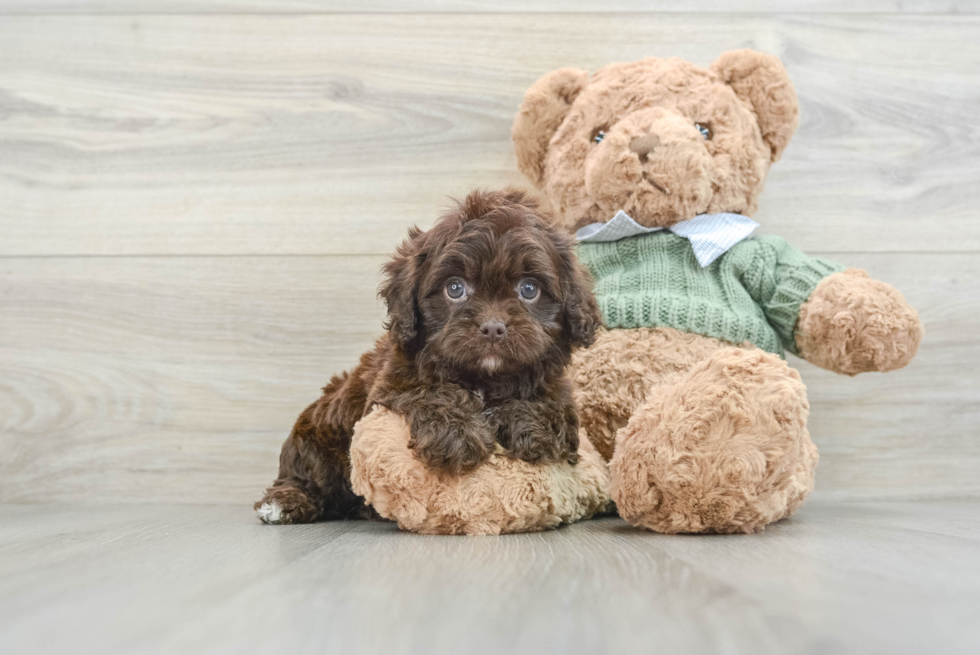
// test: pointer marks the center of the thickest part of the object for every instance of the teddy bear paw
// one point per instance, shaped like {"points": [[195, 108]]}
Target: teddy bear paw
{"points": [[853, 323]]}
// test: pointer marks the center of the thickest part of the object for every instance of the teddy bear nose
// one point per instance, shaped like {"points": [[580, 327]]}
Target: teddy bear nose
{"points": [[644, 145], [493, 329]]}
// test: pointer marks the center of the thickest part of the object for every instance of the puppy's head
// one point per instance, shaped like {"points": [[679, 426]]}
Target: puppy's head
{"points": [[494, 288]]}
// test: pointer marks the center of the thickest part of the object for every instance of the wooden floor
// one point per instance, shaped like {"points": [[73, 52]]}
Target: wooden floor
{"points": [[883, 577]]}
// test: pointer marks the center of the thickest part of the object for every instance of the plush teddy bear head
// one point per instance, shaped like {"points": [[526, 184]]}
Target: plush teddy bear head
{"points": [[661, 139]]}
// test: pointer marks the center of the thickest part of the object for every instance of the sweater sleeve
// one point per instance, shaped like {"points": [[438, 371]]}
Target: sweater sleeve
{"points": [[780, 279]]}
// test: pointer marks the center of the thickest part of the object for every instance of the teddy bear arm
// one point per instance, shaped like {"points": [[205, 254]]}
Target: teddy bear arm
{"points": [[853, 324]]}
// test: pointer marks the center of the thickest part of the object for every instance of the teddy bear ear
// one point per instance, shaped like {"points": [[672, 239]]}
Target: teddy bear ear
{"points": [[544, 108], [763, 82]]}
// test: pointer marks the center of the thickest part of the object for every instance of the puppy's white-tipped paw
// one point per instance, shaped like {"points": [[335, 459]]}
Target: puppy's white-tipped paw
{"points": [[269, 513]]}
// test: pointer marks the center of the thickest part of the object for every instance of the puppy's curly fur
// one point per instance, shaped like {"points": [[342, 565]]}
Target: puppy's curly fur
{"points": [[484, 310]]}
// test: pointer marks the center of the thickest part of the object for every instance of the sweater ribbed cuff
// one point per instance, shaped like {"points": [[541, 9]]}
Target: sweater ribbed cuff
{"points": [[794, 288]]}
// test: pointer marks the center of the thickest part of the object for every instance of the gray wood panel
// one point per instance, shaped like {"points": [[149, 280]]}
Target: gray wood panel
{"points": [[247, 134], [177, 378], [143, 378], [193, 209], [132, 7], [853, 578]]}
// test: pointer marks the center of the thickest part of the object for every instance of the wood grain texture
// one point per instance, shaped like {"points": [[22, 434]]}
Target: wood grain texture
{"points": [[137, 378], [138, 7], [177, 378], [194, 207], [854, 578], [331, 134]]}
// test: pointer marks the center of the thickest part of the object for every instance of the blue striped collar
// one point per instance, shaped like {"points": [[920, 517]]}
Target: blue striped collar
{"points": [[711, 235]]}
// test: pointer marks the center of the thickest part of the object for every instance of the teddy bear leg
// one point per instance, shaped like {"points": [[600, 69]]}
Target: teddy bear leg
{"points": [[614, 375], [723, 447]]}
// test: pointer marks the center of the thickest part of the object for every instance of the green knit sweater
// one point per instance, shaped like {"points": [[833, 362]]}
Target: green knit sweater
{"points": [[751, 293]]}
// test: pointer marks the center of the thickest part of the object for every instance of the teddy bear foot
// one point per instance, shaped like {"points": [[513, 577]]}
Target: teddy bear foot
{"points": [[721, 448]]}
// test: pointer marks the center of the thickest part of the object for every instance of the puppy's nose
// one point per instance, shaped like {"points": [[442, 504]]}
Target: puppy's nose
{"points": [[493, 329], [644, 145]]}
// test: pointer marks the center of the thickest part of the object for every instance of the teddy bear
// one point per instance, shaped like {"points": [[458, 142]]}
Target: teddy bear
{"points": [[657, 166]]}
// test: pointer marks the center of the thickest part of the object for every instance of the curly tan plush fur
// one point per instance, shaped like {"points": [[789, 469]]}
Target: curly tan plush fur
{"points": [[614, 376], [544, 108], [726, 443], [762, 81], [703, 436], [503, 495], [651, 160], [852, 324]]}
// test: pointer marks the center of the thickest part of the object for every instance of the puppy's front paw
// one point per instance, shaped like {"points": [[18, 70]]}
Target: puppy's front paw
{"points": [[541, 452], [455, 446], [537, 436], [537, 447]]}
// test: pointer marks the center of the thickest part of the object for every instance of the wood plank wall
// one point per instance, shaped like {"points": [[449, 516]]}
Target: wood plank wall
{"points": [[195, 199]]}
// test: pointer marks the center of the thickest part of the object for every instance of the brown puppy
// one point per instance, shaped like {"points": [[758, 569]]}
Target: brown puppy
{"points": [[483, 312]]}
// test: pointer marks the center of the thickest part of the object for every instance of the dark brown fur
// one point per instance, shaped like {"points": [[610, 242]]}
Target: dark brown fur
{"points": [[461, 391]]}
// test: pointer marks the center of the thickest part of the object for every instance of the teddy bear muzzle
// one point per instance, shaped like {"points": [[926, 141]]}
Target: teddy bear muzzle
{"points": [[654, 165]]}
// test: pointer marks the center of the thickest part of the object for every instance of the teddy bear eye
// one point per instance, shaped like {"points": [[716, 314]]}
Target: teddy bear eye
{"points": [[705, 130], [598, 135]]}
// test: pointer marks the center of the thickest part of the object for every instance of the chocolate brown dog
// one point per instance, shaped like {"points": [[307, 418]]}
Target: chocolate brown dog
{"points": [[483, 312]]}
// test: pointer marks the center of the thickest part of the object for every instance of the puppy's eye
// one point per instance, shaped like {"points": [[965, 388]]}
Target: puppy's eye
{"points": [[705, 130], [598, 135], [455, 288], [528, 289]]}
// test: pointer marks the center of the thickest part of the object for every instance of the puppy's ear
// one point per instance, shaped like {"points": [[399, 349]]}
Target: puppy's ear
{"points": [[545, 104], [402, 275], [581, 317]]}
